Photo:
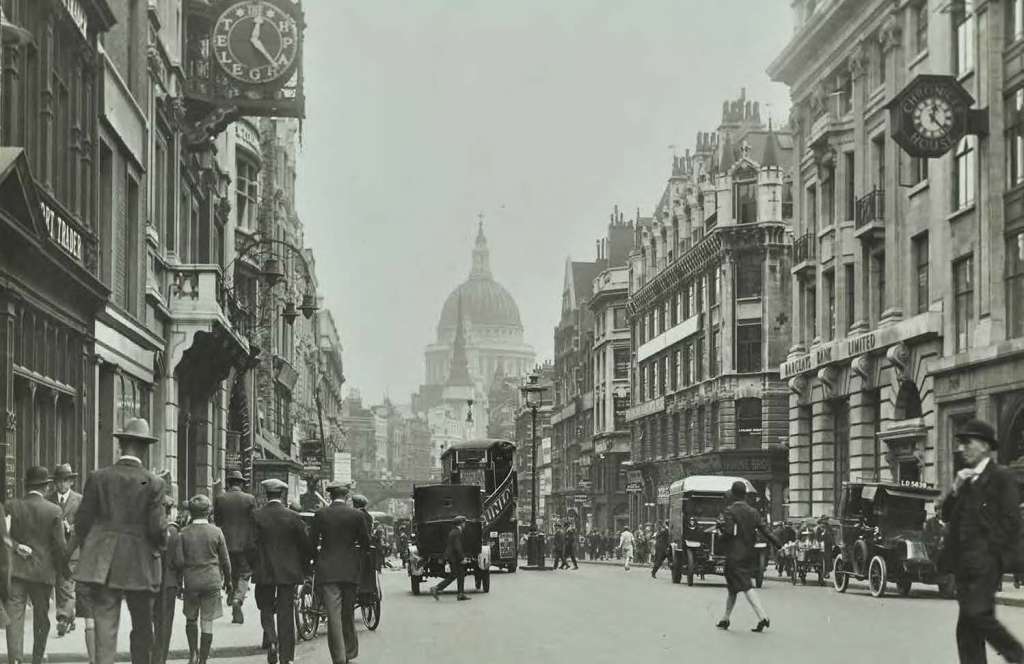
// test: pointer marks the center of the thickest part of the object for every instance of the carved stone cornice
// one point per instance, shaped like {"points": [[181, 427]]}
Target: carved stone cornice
{"points": [[827, 379], [855, 61], [898, 356], [862, 366], [890, 35]]}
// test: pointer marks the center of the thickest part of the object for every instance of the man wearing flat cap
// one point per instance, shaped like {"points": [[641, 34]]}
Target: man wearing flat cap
{"points": [[454, 552], [984, 529], [282, 555], [343, 538], [68, 500], [122, 527], [39, 548], [234, 511]]}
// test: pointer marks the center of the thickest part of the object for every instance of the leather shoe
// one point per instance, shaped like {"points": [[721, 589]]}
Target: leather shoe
{"points": [[237, 617], [62, 628], [463, 598], [272, 654], [433, 593]]}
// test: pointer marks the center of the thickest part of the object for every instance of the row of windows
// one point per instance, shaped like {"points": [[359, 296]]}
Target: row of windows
{"points": [[696, 430], [683, 365], [963, 290]]}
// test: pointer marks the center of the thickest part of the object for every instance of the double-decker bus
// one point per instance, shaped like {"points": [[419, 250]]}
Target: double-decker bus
{"points": [[489, 464]]}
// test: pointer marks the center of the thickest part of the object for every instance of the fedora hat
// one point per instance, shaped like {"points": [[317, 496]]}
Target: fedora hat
{"points": [[981, 430], [136, 428], [37, 476], [64, 472]]}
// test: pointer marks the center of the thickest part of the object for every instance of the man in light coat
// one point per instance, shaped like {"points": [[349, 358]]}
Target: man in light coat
{"points": [[626, 543], [122, 526]]}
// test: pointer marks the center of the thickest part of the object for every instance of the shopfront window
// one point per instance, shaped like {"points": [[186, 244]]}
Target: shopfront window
{"points": [[1015, 284], [247, 192]]}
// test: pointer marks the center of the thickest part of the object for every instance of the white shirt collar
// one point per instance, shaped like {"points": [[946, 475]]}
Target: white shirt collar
{"points": [[38, 493], [200, 521], [980, 468], [65, 495], [339, 500], [276, 500], [130, 458]]}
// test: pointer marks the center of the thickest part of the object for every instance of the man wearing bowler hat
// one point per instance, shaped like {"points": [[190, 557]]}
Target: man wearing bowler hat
{"points": [[122, 526], [39, 547], [234, 511], [68, 500], [282, 556], [984, 529]]}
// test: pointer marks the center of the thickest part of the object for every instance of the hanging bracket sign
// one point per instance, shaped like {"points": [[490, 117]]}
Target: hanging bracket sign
{"points": [[929, 116]]}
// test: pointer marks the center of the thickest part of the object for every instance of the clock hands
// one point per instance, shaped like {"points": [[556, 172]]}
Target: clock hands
{"points": [[254, 39]]}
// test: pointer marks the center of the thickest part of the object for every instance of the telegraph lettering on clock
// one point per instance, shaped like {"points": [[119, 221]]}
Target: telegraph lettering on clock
{"points": [[255, 41]]}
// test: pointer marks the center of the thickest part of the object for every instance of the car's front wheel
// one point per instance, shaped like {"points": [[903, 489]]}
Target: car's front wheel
{"points": [[840, 577], [877, 576]]}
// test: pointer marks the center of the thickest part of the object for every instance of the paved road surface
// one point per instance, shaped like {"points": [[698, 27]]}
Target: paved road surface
{"points": [[602, 615]]}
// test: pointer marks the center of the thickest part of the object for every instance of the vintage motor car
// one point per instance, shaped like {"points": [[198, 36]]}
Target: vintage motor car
{"points": [[435, 507], [883, 536], [696, 505]]}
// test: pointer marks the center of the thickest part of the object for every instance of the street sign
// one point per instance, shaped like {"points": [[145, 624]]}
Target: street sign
{"points": [[634, 487]]}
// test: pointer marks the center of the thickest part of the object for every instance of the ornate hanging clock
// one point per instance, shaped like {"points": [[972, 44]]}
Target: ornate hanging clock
{"points": [[256, 42], [931, 114]]}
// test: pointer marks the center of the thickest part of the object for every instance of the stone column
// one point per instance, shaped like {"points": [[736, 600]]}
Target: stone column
{"points": [[727, 313], [863, 461], [855, 65], [823, 455], [799, 452], [891, 36]]}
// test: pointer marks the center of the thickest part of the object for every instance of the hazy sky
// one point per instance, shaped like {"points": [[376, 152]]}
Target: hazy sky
{"points": [[540, 114]]}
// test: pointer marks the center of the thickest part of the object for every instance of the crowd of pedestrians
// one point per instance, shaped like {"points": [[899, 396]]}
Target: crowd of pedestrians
{"points": [[122, 541]]}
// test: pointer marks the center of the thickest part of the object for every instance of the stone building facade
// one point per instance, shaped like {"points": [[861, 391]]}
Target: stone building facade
{"points": [[907, 274], [709, 307]]}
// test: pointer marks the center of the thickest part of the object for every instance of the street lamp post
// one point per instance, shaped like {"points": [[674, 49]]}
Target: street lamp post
{"points": [[533, 395]]}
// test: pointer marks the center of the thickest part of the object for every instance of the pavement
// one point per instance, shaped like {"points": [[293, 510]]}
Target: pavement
{"points": [[601, 614]]}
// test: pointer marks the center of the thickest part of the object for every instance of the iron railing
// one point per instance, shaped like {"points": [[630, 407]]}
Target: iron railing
{"points": [[805, 248], [871, 208]]}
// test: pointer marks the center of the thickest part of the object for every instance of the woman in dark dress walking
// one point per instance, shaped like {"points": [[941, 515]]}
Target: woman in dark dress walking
{"points": [[739, 532]]}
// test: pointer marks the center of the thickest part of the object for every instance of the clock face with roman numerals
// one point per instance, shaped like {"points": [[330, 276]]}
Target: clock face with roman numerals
{"points": [[256, 42]]}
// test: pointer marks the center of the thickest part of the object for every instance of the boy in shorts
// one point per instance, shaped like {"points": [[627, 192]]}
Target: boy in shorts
{"points": [[201, 554]]}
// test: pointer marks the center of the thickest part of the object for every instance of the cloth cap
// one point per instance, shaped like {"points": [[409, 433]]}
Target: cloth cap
{"points": [[235, 476], [739, 489], [359, 500], [37, 476], [460, 519], [273, 485], [338, 488], [199, 505], [981, 430]]}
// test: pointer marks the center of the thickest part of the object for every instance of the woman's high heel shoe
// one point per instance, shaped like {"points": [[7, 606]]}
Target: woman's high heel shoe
{"points": [[722, 624], [762, 625]]}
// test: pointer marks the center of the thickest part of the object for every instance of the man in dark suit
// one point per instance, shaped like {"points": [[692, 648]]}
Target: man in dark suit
{"points": [[68, 500], [343, 538], [662, 551], [984, 532], [282, 557], [739, 534], [570, 547], [558, 548], [234, 512], [359, 502], [122, 527], [37, 539], [454, 553]]}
